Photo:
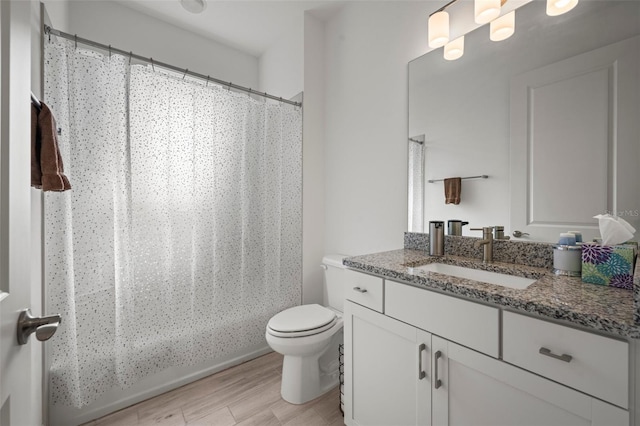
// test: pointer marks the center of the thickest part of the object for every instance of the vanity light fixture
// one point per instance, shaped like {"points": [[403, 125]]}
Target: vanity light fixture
{"points": [[454, 49], [503, 27], [438, 28], [487, 10], [558, 7]]}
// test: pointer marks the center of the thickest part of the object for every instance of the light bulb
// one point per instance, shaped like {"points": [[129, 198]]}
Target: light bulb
{"points": [[454, 49], [486, 10], [558, 7], [438, 29], [503, 27]]}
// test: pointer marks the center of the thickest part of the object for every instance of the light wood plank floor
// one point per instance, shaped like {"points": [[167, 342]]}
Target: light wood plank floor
{"points": [[247, 394]]}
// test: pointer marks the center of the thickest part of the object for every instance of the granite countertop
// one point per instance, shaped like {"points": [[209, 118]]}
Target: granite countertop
{"points": [[606, 309]]}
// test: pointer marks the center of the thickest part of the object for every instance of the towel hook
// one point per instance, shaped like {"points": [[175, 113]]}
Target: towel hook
{"points": [[186, 70]]}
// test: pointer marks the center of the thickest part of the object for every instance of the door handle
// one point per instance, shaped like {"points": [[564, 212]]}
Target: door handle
{"points": [[44, 327], [421, 372], [547, 352], [436, 382]]}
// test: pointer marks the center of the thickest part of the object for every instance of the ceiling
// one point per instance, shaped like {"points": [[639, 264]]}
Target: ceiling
{"points": [[251, 26]]}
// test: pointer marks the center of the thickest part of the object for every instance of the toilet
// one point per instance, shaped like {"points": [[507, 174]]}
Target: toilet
{"points": [[309, 336]]}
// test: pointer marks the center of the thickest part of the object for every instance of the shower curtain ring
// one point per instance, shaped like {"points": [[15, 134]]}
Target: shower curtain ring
{"points": [[229, 86], [130, 55], [249, 93], [186, 70], [152, 67], [75, 40], [109, 50], [207, 85]]}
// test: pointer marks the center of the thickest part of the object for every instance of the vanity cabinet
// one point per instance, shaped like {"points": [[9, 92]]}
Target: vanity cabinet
{"points": [[429, 358], [387, 370], [478, 390]]}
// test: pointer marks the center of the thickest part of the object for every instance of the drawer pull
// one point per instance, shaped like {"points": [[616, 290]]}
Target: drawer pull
{"points": [[563, 357], [437, 382], [421, 373], [360, 290]]}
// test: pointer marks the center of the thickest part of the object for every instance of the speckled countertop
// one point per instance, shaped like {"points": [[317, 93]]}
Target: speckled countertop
{"points": [[606, 309]]}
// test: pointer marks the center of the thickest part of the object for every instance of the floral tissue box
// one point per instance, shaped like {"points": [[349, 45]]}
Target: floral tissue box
{"points": [[608, 265]]}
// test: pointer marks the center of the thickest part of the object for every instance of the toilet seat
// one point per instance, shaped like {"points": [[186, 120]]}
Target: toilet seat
{"points": [[300, 321]]}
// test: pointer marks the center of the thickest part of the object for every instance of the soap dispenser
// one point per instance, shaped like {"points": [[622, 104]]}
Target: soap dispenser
{"points": [[436, 238]]}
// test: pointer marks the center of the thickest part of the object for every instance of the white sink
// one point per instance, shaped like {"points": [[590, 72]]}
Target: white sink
{"points": [[496, 278]]}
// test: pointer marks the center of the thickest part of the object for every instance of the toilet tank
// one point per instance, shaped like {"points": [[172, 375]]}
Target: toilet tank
{"points": [[334, 281]]}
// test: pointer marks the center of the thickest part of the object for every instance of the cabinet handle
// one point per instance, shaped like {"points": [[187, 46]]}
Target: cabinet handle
{"points": [[547, 352], [437, 382], [360, 290], [421, 372]]}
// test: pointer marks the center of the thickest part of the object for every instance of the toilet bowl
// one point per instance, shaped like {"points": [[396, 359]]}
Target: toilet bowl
{"points": [[309, 337]]}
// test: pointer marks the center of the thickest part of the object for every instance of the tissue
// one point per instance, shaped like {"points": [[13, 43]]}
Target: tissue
{"points": [[610, 263], [614, 230]]}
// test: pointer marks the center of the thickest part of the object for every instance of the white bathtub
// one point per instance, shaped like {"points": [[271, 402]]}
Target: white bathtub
{"points": [[117, 399]]}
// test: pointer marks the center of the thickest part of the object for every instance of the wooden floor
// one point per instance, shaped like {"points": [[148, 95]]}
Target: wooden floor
{"points": [[247, 394]]}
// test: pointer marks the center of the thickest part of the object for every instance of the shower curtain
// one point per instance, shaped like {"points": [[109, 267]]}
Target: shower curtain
{"points": [[182, 234]]}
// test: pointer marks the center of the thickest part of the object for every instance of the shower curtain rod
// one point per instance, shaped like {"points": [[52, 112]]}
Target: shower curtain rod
{"points": [[74, 37]]}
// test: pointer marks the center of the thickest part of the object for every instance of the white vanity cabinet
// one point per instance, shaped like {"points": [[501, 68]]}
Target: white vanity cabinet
{"points": [[430, 358], [387, 370], [476, 389]]}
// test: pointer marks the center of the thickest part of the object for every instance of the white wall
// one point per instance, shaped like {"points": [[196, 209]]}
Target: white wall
{"points": [[292, 65], [313, 181], [109, 22], [281, 66], [368, 46]]}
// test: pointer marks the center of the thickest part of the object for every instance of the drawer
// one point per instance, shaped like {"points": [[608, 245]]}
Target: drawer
{"points": [[365, 290], [470, 324], [590, 363]]}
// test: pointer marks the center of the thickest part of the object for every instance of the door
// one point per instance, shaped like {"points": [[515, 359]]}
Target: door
{"points": [[17, 390], [475, 389], [387, 370], [575, 143]]}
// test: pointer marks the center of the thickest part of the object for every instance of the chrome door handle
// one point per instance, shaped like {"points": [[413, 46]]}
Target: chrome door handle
{"points": [[436, 382], [421, 372], [360, 290], [547, 352], [519, 234], [44, 327]]}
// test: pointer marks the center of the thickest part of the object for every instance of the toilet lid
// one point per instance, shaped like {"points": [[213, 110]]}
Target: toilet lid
{"points": [[302, 318]]}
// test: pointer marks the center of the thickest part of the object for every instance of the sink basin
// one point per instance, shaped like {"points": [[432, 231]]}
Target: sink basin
{"points": [[496, 278]]}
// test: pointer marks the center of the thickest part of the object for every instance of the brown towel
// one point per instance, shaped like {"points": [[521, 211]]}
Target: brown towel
{"points": [[452, 187], [47, 170]]}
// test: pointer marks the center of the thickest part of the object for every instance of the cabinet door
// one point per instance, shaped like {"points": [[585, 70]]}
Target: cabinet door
{"points": [[479, 390], [387, 370]]}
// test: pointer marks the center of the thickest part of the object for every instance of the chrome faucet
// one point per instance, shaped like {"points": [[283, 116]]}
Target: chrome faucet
{"points": [[486, 242]]}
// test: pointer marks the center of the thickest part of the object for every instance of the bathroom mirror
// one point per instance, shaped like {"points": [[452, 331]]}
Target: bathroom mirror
{"points": [[464, 111]]}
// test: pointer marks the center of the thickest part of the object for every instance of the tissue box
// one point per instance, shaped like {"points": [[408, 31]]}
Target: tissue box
{"points": [[608, 265]]}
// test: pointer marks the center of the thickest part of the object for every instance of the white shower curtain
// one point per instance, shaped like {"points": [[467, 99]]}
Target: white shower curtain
{"points": [[182, 234]]}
